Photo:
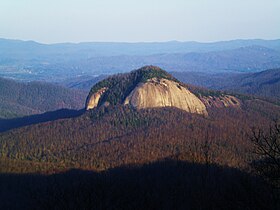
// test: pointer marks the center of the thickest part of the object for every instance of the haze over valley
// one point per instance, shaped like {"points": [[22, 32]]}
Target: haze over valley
{"points": [[29, 60]]}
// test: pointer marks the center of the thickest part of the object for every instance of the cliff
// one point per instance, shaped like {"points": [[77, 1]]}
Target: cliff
{"points": [[164, 93]]}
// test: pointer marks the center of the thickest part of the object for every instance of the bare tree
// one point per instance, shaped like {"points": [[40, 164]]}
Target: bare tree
{"points": [[206, 149], [267, 148]]}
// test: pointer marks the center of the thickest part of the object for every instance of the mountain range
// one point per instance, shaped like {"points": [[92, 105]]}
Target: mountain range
{"points": [[27, 60]]}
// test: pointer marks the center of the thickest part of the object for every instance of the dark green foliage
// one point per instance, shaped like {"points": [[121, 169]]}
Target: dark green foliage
{"points": [[149, 72], [120, 85]]}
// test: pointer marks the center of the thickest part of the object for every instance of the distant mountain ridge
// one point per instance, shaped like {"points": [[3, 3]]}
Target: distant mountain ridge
{"points": [[265, 83], [138, 48], [57, 62]]}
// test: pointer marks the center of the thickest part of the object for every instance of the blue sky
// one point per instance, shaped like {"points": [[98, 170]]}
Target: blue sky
{"points": [[52, 21]]}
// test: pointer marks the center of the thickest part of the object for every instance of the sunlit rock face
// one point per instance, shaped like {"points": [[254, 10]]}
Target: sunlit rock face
{"points": [[164, 93], [94, 99]]}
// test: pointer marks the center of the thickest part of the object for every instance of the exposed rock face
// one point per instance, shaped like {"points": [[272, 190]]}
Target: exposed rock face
{"points": [[151, 87], [222, 101], [164, 93], [94, 98]]}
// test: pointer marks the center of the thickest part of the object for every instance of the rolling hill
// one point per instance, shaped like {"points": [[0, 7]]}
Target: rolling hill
{"points": [[264, 84], [20, 99], [84, 83]]}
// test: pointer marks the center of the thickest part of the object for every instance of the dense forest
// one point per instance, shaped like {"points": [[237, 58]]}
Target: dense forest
{"points": [[113, 136], [120, 157], [138, 159]]}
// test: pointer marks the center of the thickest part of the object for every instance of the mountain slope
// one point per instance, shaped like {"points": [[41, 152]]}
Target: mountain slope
{"points": [[264, 84], [109, 136], [147, 87], [8, 124], [159, 185], [84, 83], [105, 138], [150, 87], [19, 99]]}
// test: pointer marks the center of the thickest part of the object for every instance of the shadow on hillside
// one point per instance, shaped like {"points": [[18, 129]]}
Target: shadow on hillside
{"points": [[8, 124], [162, 185]]}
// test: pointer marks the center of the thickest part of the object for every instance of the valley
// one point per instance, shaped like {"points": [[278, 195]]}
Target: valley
{"points": [[178, 130], [29, 61], [139, 105]]}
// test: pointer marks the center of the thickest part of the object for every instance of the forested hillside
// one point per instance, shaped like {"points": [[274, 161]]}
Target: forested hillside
{"points": [[108, 137], [166, 184], [118, 156], [19, 99], [264, 84], [83, 82]]}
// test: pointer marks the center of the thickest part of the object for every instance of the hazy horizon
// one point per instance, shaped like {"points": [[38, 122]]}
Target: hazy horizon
{"points": [[126, 21], [137, 42]]}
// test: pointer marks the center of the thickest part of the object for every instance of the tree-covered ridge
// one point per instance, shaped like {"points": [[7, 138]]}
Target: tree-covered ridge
{"points": [[149, 72], [120, 85], [204, 92], [20, 99], [264, 84], [112, 136]]}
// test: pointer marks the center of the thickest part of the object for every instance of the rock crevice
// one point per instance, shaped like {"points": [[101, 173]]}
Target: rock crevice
{"points": [[94, 98]]}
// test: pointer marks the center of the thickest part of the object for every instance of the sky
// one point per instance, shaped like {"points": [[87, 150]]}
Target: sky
{"points": [[54, 21]]}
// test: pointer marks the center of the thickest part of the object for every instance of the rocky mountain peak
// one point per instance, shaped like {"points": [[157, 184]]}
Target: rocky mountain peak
{"points": [[147, 87]]}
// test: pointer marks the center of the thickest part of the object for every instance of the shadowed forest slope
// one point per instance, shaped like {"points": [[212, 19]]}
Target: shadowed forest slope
{"points": [[166, 184]]}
